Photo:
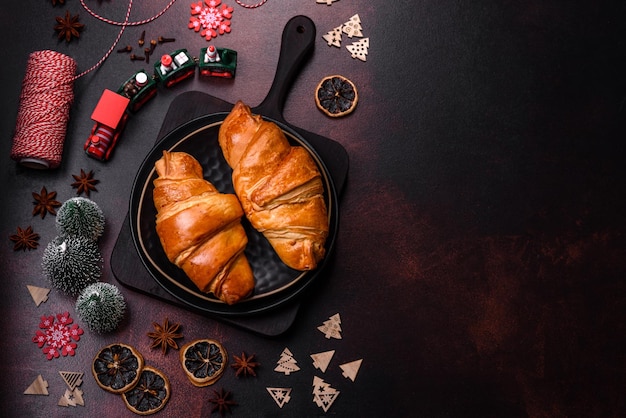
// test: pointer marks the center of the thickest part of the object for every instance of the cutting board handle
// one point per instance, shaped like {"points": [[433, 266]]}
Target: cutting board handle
{"points": [[297, 42]]}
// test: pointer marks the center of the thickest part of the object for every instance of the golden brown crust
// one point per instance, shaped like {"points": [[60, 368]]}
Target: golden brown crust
{"points": [[200, 229], [279, 187]]}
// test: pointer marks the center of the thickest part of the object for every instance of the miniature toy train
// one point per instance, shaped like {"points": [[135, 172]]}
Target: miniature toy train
{"points": [[113, 108]]}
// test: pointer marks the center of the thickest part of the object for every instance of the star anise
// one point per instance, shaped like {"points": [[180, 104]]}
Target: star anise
{"points": [[25, 239], [245, 365], [85, 183], [68, 27], [44, 203], [222, 402], [165, 336]]}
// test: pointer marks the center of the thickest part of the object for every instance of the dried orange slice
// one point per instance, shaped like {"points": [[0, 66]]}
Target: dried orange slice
{"points": [[203, 361], [117, 367], [150, 394], [336, 96]]}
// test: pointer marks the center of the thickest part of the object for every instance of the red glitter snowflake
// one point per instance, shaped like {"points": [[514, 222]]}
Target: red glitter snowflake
{"points": [[209, 19], [56, 339]]}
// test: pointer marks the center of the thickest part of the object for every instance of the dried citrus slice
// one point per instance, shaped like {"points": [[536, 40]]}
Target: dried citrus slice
{"points": [[150, 394], [117, 367], [336, 96], [203, 361]]}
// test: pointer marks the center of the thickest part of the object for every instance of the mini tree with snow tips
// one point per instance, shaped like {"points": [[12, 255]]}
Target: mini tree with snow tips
{"points": [[72, 263], [101, 306], [80, 217]]}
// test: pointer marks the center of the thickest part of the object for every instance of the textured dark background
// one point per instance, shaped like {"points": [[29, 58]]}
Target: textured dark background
{"points": [[480, 264]]}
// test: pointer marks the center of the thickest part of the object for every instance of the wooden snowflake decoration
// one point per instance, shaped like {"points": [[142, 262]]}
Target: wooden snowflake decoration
{"points": [[209, 19]]}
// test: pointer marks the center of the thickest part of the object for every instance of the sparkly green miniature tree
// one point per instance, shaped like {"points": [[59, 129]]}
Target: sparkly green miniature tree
{"points": [[80, 216], [101, 306], [72, 263]]}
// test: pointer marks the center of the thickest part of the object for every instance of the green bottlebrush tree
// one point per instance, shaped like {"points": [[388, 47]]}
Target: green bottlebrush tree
{"points": [[72, 263], [80, 216], [101, 306]]}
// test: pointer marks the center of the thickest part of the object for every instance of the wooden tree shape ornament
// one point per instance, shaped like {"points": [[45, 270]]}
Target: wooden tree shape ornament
{"points": [[72, 379], [38, 387], [39, 294], [351, 369], [323, 394], [332, 327], [359, 49], [72, 398], [353, 27], [286, 364], [280, 395], [321, 360], [333, 37], [328, 2]]}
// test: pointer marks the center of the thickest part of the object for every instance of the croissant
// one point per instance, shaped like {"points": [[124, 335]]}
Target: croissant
{"points": [[200, 228], [279, 186]]}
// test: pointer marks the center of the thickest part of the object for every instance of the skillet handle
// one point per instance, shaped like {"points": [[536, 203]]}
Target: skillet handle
{"points": [[297, 42]]}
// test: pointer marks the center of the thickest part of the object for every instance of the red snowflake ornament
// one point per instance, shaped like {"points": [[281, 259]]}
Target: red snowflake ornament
{"points": [[209, 19], [58, 338]]}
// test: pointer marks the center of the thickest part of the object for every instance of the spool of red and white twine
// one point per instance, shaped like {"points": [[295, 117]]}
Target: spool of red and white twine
{"points": [[45, 100]]}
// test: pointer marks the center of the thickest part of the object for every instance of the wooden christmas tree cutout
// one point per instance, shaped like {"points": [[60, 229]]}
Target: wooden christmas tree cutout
{"points": [[359, 49], [351, 369], [38, 387], [332, 327], [280, 395], [39, 294], [286, 364], [321, 360], [72, 379], [328, 2], [323, 394], [353, 27], [72, 398], [333, 37]]}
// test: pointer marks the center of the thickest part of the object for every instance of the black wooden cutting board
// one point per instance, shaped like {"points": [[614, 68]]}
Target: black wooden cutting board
{"points": [[297, 43]]}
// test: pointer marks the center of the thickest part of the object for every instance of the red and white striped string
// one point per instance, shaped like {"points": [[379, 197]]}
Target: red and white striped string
{"points": [[249, 6], [46, 97]]}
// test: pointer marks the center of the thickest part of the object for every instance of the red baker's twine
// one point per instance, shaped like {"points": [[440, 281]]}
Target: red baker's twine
{"points": [[46, 97], [250, 6]]}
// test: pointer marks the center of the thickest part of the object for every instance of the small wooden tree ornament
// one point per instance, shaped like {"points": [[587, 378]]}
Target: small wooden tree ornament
{"points": [[333, 37], [322, 360], [72, 379], [38, 387], [351, 369], [286, 364], [39, 294], [328, 2], [359, 49], [280, 395], [72, 398], [353, 27], [323, 394], [332, 327]]}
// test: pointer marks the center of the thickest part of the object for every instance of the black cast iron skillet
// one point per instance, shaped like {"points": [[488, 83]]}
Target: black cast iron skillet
{"points": [[276, 283]]}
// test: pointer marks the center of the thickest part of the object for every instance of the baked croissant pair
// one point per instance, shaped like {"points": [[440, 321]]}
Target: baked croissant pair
{"points": [[278, 187]]}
